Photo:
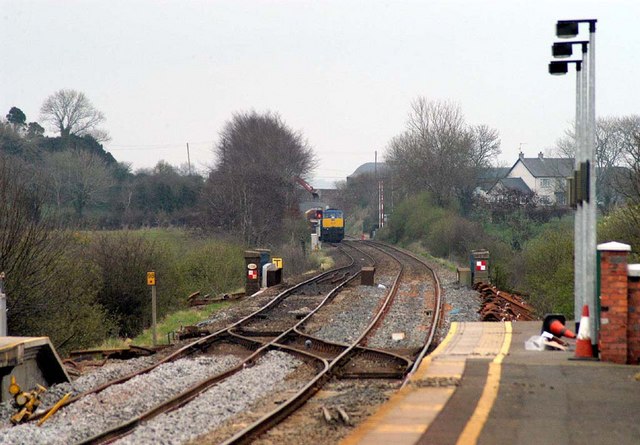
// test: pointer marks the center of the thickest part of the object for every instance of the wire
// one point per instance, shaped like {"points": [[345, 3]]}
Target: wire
{"points": [[155, 146]]}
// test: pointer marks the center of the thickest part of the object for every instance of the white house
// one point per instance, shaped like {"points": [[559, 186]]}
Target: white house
{"points": [[546, 177]]}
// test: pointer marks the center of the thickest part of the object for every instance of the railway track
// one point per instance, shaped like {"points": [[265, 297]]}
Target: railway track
{"points": [[266, 422], [281, 327]]}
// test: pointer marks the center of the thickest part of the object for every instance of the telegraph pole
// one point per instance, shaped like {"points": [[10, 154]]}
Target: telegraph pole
{"points": [[188, 159]]}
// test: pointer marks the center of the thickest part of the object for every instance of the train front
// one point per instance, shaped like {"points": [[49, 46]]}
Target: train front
{"points": [[332, 229]]}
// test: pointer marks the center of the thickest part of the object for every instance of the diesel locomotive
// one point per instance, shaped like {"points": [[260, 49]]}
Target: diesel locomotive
{"points": [[332, 226]]}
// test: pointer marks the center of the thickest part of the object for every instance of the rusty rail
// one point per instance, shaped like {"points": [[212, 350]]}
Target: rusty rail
{"points": [[203, 342], [260, 349], [499, 305], [284, 410]]}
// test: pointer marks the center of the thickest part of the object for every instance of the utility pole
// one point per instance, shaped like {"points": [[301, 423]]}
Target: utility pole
{"points": [[188, 159]]}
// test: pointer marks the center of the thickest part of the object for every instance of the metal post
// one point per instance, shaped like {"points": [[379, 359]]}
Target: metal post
{"points": [[577, 234], [584, 271], [593, 293], [3, 307], [151, 281], [153, 316], [584, 253]]}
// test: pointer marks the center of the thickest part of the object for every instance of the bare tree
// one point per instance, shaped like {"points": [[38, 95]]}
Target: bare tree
{"points": [[615, 148], [440, 153], [71, 113], [486, 145], [79, 178], [251, 189], [28, 249]]}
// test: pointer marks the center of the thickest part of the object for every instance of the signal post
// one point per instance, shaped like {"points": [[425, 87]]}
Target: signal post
{"points": [[151, 281]]}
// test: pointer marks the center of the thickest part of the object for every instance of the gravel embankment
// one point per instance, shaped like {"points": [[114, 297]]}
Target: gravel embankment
{"points": [[99, 376], [98, 412], [460, 302]]}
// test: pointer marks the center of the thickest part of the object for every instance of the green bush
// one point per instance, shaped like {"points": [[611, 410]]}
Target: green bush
{"points": [[453, 237], [527, 255], [548, 269], [212, 267], [622, 225], [412, 220], [72, 317], [123, 259]]}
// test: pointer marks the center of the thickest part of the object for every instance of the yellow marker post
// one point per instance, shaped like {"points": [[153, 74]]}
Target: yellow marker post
{"points": [[277, 262], [151, 281]]}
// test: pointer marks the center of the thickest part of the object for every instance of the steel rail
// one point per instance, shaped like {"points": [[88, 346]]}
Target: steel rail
{"points": [[179, 400], [203, 342], [293, 403], [437, 313]]}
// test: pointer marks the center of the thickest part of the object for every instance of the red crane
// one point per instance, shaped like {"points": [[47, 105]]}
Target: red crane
{"points": [[307, 187]]}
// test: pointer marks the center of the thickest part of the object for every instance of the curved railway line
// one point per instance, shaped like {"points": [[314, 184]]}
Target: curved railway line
{"points": [[289, 323]]}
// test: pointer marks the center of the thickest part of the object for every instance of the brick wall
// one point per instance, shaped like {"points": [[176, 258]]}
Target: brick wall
{"points": [[633, 319], [613, 302]]}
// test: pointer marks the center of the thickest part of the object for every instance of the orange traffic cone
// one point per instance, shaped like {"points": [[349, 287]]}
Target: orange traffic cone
{"points": [[583, 342], [559, 329], [554, 323]]}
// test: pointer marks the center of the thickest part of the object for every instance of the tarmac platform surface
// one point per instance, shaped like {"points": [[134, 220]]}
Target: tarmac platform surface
{"points": [[482, 386]]}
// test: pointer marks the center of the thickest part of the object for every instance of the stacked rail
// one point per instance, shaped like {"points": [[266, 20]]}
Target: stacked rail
{"points": [[499, 305]]}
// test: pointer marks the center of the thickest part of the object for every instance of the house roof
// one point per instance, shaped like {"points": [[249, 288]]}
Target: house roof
{"points": [[493, 173], [516, 184], [487, 177], [541, 167]]}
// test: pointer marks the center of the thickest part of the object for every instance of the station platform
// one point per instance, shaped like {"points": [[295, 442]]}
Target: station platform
{"points": [[32, 360], [480, 386]]}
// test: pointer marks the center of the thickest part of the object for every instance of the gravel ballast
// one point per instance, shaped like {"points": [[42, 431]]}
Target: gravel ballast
{"points": [[239, 393], [216, 405], [98, 412]]}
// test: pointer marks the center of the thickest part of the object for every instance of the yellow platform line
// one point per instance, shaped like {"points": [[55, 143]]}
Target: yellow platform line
{"points": [[478, 419], [377, 420], [422, 369]]}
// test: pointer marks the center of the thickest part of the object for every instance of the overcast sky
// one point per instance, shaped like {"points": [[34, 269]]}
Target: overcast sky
{"points": [[342, 72]]}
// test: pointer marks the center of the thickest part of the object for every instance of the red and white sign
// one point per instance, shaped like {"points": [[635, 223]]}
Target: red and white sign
{"points": [[481, 265], [252, 274]]}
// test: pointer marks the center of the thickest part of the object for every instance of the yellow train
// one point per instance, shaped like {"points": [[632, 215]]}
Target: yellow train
{"points": [[332, 227], [329, 221]]}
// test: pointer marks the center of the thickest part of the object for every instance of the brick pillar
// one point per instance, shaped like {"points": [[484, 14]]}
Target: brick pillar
{"points": [[613, 302], [633, 321]]}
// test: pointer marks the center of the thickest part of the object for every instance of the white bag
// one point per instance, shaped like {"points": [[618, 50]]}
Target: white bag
{"points": [[535, 343]]}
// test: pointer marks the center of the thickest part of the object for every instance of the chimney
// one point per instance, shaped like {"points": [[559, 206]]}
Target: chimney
{"points": [[540, 155], [521, 155]]}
